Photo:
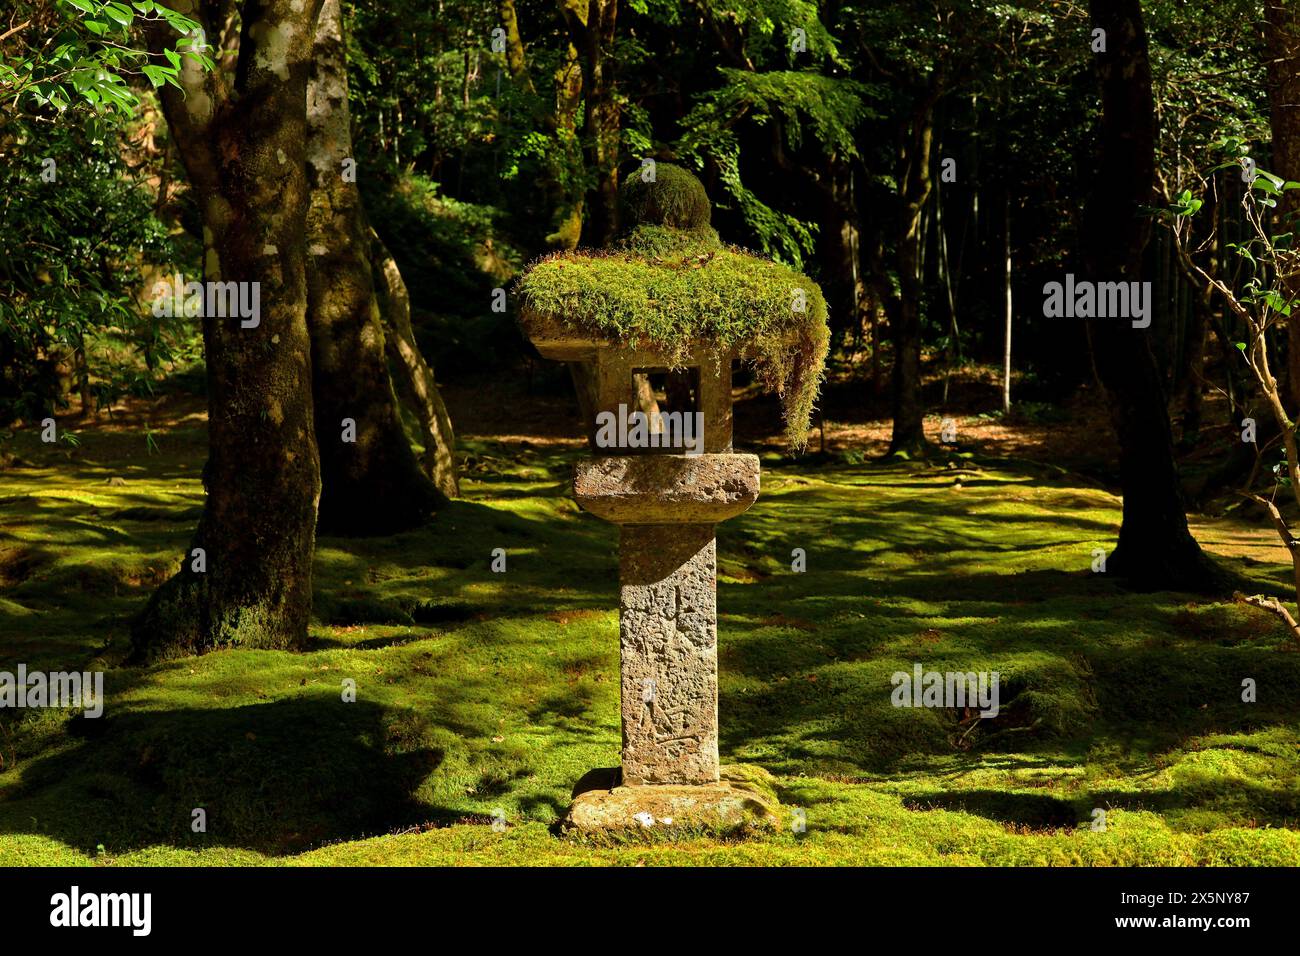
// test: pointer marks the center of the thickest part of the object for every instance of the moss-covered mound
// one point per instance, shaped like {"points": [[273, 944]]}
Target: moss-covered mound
{"points": [[662, 287], [674, 198]]}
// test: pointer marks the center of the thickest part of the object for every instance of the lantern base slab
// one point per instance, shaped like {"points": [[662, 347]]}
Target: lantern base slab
{"points": [[741, 801]]}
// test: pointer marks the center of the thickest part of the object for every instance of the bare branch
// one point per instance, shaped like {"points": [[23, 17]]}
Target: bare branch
{"points": [[1272, 605], [1283, 531]]}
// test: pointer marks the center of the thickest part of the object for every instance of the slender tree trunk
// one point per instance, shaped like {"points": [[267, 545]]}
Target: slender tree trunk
{"points": [[82, 369], [1006, 304], [1193, 384], [909, 435], [838, 248], [466, 74], [371, 482], [1202, 301], [884, 302], [242, 140], [1155, 548], [953, 350], [416, 380]]}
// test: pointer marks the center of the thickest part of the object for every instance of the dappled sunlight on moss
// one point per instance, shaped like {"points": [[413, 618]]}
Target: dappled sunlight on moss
{"points": [[479, 690]]}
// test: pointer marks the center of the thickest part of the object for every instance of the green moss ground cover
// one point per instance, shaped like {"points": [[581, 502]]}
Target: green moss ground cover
{"points": [[479, 691]]}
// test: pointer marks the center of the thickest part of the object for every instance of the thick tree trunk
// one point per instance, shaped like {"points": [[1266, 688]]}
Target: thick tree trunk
{"points": [[1282, 38], [417, 381], [371, 482], [242, 140], [905, 328], [1155, 548]]}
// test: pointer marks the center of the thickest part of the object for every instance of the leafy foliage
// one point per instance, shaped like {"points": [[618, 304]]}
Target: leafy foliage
{"points": [[88, 58], [830, 107], [76, 246]]}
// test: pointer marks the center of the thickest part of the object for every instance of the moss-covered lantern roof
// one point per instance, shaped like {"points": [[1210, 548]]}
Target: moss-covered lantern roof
{"points": [[670, 285]]}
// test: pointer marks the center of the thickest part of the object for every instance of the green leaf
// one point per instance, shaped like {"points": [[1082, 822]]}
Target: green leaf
{"points": [[121, 13], [1243, 251], [158, 75], [83, 5], [1240, 345], [1277, 303]]}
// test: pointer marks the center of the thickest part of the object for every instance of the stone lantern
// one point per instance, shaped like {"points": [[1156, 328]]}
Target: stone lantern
{"points": [[670, 298]]}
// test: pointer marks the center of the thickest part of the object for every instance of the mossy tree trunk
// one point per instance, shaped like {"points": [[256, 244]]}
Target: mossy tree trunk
{"points": [[371, 482], [566, 202], [591, 25], [242, 138], [1155, 548], [516, 63]]}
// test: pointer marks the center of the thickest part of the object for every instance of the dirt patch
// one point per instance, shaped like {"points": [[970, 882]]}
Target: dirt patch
{"points": [[780, 620], [566, 617], [17, 564]]}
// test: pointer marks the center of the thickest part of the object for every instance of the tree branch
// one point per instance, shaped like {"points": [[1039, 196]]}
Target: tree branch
{"points": [[1272, 605]]}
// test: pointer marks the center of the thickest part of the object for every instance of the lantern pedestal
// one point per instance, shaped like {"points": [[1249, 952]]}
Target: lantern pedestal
{"points": [[667, 508]]}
